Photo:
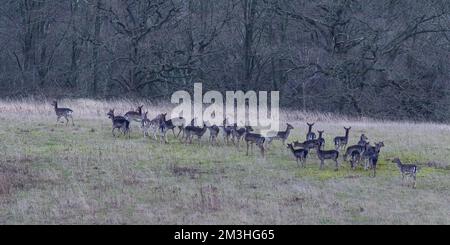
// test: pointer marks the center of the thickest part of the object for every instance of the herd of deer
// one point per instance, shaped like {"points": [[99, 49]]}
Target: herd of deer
{"points": [[361, 153]]}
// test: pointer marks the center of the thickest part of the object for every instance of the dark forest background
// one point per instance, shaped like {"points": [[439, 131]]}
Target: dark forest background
{"points": [[385, 59]]}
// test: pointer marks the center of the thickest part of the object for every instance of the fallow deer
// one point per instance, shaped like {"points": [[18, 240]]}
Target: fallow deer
{"points": [[299, 154], [407, 170], [119, 122], [63, 112], [310, 135], [340, 142]]}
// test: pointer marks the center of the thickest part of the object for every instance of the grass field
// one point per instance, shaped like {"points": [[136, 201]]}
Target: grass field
{"points": [[81, 175]]}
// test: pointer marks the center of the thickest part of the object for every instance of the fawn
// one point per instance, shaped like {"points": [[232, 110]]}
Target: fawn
{"points": [[119, 122], [252, 138], [134, 115], [299, 154], [191, 131], [213, 133], [327, 155], [63, 112], [340, 142], [310, 135], [407, 170], [281, 135]]}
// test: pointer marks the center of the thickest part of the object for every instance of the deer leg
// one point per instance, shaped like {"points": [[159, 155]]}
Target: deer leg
{"points": [[321, 164], [247, 147], [337, 165], [113, 132]]}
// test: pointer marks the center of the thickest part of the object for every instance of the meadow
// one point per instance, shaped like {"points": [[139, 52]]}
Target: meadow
{"points": [[53, 174]]}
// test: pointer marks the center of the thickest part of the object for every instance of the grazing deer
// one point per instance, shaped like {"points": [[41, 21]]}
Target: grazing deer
{"points": [[119, 122], [281, 135], [321, 140], [363, 140], [237, 134], [407, 170], [191, 131], [310, 135], [340, 142], [134, 115], [63, 112], [327, 155], [213, 133], [252, 138], [299, 154]]}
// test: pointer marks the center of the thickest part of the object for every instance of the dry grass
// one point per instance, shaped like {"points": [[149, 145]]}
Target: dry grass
{"points": [[81, 175]]}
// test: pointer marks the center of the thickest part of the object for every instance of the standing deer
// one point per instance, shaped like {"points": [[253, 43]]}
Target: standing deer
{"points": [[299, 154], [327, 155], [281, 135], [310, 135], [227, 131], [321, 140], [363, 140], [213, 133], [407, 170], [252, 138], [237, 134], [340, 142], [63, 112]]}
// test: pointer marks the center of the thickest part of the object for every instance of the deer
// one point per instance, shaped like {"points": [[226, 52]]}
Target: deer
{"points": [[63, 112], [213, 133], [356, 152], [156, 125], [407, 170], [370, 151], [321, 140], [134, 115], [191, 131], [281, 135], [173, 123], [299, 154], [252, 138], [327, 155], [340, 142], [310, 135], [227, 131], [119, 122], [309, 144], [178, 122], [363, 140], [237, 134]]}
